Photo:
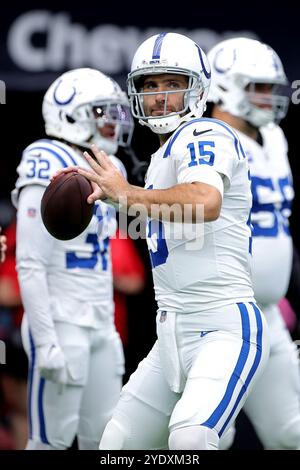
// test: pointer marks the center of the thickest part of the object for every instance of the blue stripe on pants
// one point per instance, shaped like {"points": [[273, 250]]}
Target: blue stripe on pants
{"points": [[43, 435], [254, 366], [242, 359], [41, 413], [30, 382]]}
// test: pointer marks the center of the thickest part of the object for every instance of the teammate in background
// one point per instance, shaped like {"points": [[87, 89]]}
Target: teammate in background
{"points": [[3, 247], [247, 88], [212, 340], [75, 354]]}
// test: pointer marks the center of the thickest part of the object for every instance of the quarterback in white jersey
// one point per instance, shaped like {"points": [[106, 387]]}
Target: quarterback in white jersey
{"points": [[246, 75], [75, 354], [212, 341]]}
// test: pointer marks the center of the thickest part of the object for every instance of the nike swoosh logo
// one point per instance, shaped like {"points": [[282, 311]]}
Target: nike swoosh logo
{"points": [[195, 133], [203, 333]]}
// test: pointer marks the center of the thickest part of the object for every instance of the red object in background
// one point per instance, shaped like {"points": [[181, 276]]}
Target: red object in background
{"points": [[288, 314], [8, 270], [126, 265]]}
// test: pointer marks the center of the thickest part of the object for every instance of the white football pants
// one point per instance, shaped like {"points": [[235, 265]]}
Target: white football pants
{"points": [[57, 413]]}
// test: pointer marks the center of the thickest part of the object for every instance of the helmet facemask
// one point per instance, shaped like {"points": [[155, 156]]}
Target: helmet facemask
{"points": [[167, 122], [264, 108], [112, 117], [84, 107]]}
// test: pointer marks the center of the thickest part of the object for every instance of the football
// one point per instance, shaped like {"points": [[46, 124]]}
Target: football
{"points": [[64, 209]]}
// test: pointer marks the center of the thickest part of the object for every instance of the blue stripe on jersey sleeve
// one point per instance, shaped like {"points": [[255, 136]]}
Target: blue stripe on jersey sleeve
{"points": [[55, 144], [56, 155], [237, 144]]}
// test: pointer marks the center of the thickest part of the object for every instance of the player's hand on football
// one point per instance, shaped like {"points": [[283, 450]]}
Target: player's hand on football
{"points": [[3, 247], [105, 175], [63, 171], [97, 192], [52, 363]]}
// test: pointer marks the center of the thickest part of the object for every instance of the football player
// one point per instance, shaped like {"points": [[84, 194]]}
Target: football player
{"points": [[212, 340], [75, 354], [249, 92]]}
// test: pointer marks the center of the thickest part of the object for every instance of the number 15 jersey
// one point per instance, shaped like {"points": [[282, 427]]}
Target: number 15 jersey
{"points": [[203, 266]]}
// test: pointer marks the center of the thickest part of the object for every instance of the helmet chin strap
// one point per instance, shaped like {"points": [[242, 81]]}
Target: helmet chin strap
{"points": [[163, 125], [167, 124]]}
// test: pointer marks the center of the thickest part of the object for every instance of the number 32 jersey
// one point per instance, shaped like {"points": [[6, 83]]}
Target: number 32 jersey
{"points": [[78, 270], [272, 197], [198, 267]]}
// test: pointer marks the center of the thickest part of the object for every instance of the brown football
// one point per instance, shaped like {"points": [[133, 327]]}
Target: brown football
{"points": [[65, 211]]}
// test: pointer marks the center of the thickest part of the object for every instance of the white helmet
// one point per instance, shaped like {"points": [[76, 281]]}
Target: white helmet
{"points": [[174, 54], [239, 64], [82, 101]]}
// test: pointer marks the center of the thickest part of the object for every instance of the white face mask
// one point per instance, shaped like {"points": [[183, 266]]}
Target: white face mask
{"points": [[267, 107]]}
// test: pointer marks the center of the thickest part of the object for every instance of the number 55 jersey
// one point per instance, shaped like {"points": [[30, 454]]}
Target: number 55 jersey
{"points": [[272, 193]]}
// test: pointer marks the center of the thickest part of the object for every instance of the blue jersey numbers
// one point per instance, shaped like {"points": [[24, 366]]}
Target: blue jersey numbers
{"points": [[38, 168], [159, 253], [201, 154], [271, 205], [99, 248], [156, 241], [99, 252]]}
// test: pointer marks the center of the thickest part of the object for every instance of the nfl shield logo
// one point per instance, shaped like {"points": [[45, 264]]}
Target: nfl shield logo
{"points": [[31, 212], [163, 316]]}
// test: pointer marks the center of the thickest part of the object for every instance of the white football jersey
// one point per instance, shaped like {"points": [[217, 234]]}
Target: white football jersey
{"points": [[78, 270], [194, 272], [273, 193]]}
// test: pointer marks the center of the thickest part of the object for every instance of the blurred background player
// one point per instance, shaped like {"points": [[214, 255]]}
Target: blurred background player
{"points": [[75, 354], [249, 92], [128, 280], [206, 309]]}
